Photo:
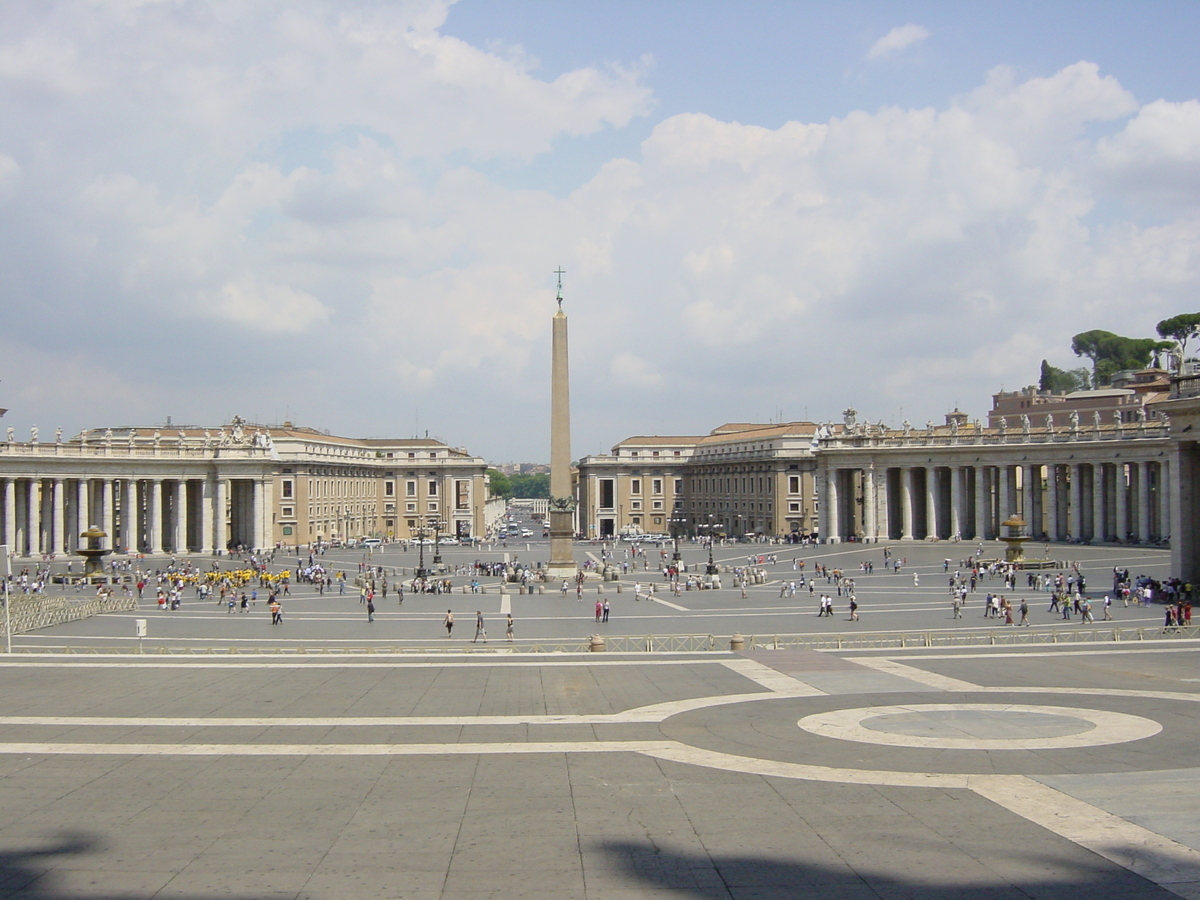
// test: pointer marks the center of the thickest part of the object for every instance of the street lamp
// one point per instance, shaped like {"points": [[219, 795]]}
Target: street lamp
{"points": [[421, 572], [675, 522], [437, 550], [712, 567]]}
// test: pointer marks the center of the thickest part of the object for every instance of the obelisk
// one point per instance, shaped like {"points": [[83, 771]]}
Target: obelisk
{"points": [[562, 501]]}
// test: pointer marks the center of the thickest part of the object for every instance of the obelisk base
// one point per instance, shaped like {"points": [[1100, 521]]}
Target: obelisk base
{"points": [[562, 551]]}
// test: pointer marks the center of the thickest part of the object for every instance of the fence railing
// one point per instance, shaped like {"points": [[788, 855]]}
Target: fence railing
{"points": [[32, 613], [671, 643]]}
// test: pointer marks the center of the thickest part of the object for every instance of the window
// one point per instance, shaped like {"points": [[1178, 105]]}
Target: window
{"points": [[657, 504], [410, 489], [389, 489], [432, 488], [462, 494], [635, 485], [793, 484], [794, 507], [634, 454], [635, 504], [287, 489], [433, 507], [678, 485], [410, 507], [287, 511], [656, 486], [607, 493]]}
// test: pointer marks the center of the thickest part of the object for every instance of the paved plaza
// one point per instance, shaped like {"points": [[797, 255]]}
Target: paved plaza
{"points": [[1027, 771]]}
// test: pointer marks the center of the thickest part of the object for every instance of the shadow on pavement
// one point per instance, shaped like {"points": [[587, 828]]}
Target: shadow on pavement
{"points": [[724, 876]]}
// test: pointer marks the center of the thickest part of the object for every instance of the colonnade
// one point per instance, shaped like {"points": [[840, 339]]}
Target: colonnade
{"points": [[46, 515], [1098, 501]]}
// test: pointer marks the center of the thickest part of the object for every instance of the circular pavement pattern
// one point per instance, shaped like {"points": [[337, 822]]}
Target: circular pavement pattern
{"points": [[980, 726]]}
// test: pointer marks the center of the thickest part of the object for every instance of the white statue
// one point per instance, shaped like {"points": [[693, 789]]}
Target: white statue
{"points": [[1074, 417], [108, 436], [849, 416], [33, 433], [156, 437], [182, 437], [1096, 418], [907, 426], [1003, 424], [58, 435], [954, 427], [1025, 423], [1050, 422], [207, 438], [1141, 414], [10, 434]]}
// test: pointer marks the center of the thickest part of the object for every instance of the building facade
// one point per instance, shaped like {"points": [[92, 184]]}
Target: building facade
{"points": [[738, 479], [194, 490]]}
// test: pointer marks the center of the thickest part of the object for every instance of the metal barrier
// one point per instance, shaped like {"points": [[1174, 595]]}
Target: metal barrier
{"points": [[32, 613], [673, 643]]}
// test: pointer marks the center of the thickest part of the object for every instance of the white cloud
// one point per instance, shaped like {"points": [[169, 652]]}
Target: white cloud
{"points": [[274, 199], [897, 39]]}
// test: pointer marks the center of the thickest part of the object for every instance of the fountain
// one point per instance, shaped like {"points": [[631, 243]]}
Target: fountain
{"points": [[93, 553], [1015, 541]]}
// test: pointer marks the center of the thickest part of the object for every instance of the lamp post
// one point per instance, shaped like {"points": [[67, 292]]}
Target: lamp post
{"points": [[421, 572], [712, 567], [675, 522], [437, 549]]}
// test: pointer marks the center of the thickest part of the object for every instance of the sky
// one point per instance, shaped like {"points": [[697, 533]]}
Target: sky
{"points": [[348, 215]]}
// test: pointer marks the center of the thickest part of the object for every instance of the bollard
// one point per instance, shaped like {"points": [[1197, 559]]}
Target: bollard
{"points": [[597, 644], [618, 587], [737, 642], [541, 589]]}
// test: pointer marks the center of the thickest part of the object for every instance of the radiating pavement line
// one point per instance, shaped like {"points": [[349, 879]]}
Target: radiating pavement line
{"points": [[920, 676]]}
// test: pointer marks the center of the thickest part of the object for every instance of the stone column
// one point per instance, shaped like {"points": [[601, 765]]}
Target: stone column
{"points": [[179, 539], [1053, 506], [1006, 486], [58, 516], [106, 500], [206, 515], [907, 491], [154, 515], [1121, 501], [870, 499], [34, 508], [1075, 504], [1164, 500], [1143, 502], [220, 523], [9, 538], [1099, 531], [256, 513], [1031, 483], [832, 499], [983, 512], [931, 502], [956, 499], [129, 516], [561, 518]]}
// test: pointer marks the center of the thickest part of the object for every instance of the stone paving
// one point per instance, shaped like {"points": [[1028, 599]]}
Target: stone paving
{"points": [[712, 775], [1008, 772]]}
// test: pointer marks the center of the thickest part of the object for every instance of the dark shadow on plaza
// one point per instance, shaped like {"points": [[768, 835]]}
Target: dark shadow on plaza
{"points": [[29, 874], [725, 876]]}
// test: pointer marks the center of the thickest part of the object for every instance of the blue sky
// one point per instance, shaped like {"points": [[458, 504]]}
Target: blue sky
{"points": [[348, 214]]}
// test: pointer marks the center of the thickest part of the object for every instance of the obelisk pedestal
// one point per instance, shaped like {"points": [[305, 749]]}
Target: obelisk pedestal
{"points": [[562, 501]]}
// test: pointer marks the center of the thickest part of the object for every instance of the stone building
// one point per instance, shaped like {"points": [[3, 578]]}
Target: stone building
{"points": [[741, 478], [200, 490]]}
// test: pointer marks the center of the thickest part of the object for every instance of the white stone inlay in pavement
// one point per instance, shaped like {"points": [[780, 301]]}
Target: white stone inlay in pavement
{"points": [[975, 726], [920, 676], [772, 679]]}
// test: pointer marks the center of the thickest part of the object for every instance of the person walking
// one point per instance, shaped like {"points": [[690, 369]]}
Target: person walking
{"points": [[449, 623], [605, 616], [370, 610], [853, 610], [508, 627], [599, 608], [1024, 613], [480, 632]]}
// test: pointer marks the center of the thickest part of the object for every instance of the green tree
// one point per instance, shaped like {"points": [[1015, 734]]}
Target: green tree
{"points": [[499, 484], [1067, 380], [1180, 329], [530, 487], [1111, 353]]}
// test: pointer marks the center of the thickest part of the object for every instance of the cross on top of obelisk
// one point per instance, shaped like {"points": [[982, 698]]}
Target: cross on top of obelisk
{"points": [[559, 272]]}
